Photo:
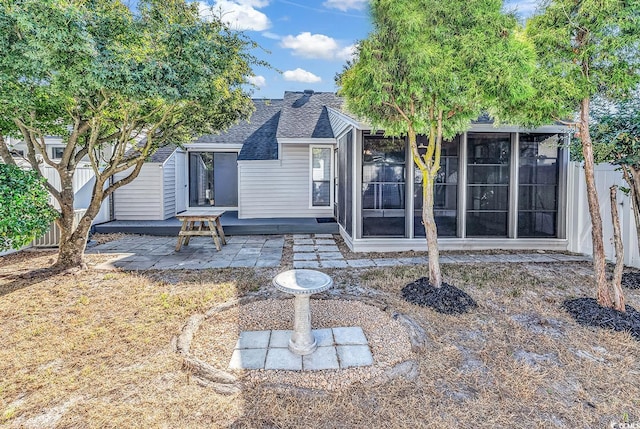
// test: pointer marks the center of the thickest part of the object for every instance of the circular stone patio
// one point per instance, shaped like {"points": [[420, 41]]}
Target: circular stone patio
{"points": [[207, 343]]}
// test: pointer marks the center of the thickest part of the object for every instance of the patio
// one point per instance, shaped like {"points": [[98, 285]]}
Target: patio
{"points": [[311, 251]]}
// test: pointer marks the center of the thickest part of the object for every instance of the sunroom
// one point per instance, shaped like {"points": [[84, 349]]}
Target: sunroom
{"points": [[497, 188]]}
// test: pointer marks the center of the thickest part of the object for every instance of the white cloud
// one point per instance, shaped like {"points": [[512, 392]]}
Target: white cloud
{"points": [[300, 75], [258, 81], [345, 5], [316, 46], [270, 35], [238, 14]]}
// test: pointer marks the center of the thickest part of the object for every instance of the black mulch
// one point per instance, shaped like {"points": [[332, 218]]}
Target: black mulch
{"points": [[447, 299], [631, 280], [587, 311]]}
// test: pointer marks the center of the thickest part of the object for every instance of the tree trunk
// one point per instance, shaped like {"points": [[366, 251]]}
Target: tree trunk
{"points": [[430, 228], [616, 281], [632, 177], [599, 263]]}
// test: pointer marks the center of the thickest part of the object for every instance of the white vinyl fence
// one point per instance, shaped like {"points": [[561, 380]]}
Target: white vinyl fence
{"points": [[579, 222]]}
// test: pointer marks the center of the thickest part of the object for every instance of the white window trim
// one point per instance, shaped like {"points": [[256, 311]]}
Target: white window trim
{"points": [[331, 178]]}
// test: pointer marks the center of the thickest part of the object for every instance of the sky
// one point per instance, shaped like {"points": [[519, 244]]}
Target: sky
{"points": [[306, 42]]}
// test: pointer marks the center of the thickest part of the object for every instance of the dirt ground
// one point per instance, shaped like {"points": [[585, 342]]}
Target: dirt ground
{"points": [[93, 349]]}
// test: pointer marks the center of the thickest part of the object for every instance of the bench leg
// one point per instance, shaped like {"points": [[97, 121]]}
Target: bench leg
{"points": [[220, 231], [181, 237], [191, 226], [214, 234]]}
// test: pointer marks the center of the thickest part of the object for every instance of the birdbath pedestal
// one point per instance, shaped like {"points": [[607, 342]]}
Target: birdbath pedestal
{"points": [[302, 284]]}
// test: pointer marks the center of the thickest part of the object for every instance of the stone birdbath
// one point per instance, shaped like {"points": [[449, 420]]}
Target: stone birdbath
{"points": [[302, 284]]}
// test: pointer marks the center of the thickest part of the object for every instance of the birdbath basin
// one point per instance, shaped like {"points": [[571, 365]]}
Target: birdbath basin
{"points": [[302, 284]]}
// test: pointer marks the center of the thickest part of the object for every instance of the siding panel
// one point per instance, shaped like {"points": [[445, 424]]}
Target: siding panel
{"points": [[269, 189], [142, 198]]}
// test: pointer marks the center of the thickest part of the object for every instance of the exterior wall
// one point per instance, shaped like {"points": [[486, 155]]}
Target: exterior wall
{"points": [[278, 188], [142, 199], [579, 232], [169, 186]]}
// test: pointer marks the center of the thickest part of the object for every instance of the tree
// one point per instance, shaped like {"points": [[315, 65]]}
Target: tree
{"points": [[616, 136], [586, 48], [116, 86], [431, 67], [25, 212]]}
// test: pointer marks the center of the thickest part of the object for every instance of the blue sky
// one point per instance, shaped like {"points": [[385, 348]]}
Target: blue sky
{"points": [[307, 41]]}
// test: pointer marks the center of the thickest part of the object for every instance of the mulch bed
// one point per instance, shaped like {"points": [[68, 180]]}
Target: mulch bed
{"points": [[446, 299], [587, 311], [631, 280]]}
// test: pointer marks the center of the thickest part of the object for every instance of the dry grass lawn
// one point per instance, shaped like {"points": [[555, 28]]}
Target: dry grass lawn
{"points": [[92, 349]]}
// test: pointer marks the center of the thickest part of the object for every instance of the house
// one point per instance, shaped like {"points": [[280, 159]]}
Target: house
{"points": [[304, 157]]}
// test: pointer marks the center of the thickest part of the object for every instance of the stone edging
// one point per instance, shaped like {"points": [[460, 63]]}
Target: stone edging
{"points": [[226, 383]]}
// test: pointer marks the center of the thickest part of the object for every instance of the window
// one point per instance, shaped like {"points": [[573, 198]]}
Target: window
{"points": [[17, 152], [538, 185], [445, 204], [56, 152], [321, 176], [488, 178], [383, 186]]}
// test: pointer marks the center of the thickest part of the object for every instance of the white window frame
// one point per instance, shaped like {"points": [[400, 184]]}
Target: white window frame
{"points": [[331, 178]]}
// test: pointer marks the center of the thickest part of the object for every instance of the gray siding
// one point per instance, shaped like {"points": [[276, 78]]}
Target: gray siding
{"points": [[269, 189], [169, 186], [142, 198], [338, 125]]}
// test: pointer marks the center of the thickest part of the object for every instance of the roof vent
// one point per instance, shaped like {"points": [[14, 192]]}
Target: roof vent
{"points": [[308, 91]]}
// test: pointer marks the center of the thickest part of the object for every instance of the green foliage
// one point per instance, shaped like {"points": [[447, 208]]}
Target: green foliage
{"points": [[584, 48], [65, 61], [616, 133], [25, 212], [430, 56]]}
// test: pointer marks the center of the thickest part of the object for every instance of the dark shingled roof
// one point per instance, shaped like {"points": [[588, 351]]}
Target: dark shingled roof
{"points": [[162, 154], [304, 114], [257, 135]]}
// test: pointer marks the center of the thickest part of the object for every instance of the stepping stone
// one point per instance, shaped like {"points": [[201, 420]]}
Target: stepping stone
{"points": [[323, 235], [322, 358], [360, 263], [324, 337], [248, 359], [304, 248], [305, 256], [253, 340], [350, 335], [333, 264], [306, 264], [351, 356], [303, 241], [280, 339], [283, 359], [333, 248], [325, 241], [332, 255]]}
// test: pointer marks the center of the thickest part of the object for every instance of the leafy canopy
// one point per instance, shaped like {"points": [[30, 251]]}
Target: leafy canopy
{"points": [[617, 133], [165, 71], [430, 56], [25, 212], [584, 48]]}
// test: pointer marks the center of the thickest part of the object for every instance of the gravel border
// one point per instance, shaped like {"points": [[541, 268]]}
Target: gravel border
{"points": [[394, 339]]}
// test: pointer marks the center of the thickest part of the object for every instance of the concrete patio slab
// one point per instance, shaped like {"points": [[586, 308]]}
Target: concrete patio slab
{"points": [[253, 339], [280, 339], [349, 335], [248, 359], [322, 358], [283, 359], [351, 356]]}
